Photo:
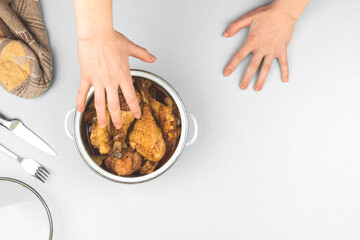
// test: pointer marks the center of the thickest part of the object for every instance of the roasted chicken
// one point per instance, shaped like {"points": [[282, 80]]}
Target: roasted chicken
{"points": [[109, 137], [101, 138], [139, 145], [146, 136], [147, 167], [123, 105], [121, 134], [164, 114], [126, 164]]}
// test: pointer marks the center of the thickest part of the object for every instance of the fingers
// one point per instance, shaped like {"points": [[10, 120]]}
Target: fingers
{"points": [[237, 59], [237, 25], [284, 66], [112, 94], [128, 90], [100, 105], [82, 94], [242, 22], [265, 69], [141, 53], [250, 71]]}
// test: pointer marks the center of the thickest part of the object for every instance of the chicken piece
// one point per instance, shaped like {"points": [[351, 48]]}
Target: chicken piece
{"points": [[129, 162], [127, 118], [90, 113], [121, 134], [164, 114], [109, 163], [123, 105], [101, 138], [148, 167], [146, 137], [98, 159], [170, 124]]}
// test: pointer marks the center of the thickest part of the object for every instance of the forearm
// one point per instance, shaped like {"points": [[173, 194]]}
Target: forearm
{"points": [[93, 17], [293, 7]]}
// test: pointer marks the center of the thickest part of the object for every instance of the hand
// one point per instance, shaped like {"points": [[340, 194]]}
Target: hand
{"points": [[270, 31], [104, 64]]}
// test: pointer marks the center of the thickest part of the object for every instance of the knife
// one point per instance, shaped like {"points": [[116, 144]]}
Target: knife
{"points": [[18, 128]]}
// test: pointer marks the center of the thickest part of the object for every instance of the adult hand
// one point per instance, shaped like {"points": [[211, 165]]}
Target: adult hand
{"points": [[270, 29], [104, 64]]}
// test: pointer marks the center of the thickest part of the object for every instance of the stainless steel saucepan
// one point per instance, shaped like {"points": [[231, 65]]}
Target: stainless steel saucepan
{"points": [[78, 137]]}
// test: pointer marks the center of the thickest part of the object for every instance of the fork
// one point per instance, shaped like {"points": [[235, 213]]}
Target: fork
{"points": [[30, 166]]}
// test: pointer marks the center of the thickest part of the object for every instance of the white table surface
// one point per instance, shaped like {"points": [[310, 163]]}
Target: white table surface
{"points": [[280, 164]]}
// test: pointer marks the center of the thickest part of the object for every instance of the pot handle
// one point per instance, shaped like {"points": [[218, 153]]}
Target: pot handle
{"points": [[66, 123], [196, 130]]}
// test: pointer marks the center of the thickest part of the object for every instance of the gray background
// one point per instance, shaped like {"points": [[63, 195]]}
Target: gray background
{"points": [[279, 164]]}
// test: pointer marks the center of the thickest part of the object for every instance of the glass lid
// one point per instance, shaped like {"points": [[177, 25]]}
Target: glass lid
{"points": [[23, 212]]}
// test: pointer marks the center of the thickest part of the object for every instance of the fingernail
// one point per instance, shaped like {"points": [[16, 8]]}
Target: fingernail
{"points": [[118, 125], [243, 86], [226, 33], [137, 115], [286, 79], [153, 57], [257, 88], [80, 108], [227, 73], [102, 124]]}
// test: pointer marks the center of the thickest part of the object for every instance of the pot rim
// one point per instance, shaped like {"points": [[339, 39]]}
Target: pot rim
{"points": [[139, 179]]}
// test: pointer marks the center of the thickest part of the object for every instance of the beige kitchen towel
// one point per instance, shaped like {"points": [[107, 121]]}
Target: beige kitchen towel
{"points": [[25, 57]]}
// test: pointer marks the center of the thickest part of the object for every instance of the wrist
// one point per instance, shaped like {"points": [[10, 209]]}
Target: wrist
{"points": [[292, 8], [93, 18], [95, 34]]}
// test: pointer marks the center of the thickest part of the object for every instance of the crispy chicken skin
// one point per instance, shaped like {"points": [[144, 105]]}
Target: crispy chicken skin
{"points": [[123, 105], [148, 167], [101, 137], [121, 134], [171, 130], [163, 114], [109, 163], [146, 137], [129, 162]]}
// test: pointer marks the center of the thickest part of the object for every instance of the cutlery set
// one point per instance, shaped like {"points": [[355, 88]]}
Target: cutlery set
{"points": [[30, 166]]}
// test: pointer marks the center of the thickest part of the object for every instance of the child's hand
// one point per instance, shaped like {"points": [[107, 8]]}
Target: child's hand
{"points": [[104, 64], [270, 31]]}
